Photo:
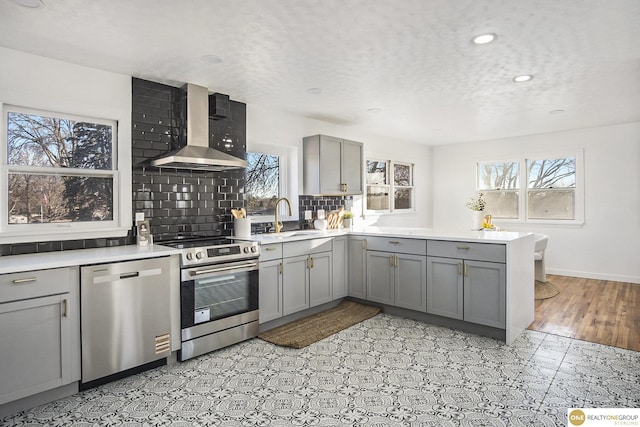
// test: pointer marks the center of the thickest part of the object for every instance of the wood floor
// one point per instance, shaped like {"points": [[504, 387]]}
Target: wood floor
{"points": [[598, 311]]}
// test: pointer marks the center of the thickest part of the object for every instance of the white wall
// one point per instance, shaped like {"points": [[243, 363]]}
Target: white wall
{"points": [[607, 246], [43, 83], [265, 126]]}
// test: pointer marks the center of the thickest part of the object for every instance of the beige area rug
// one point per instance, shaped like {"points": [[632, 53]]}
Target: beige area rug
{"points": [[305, 331], [545, 290]]}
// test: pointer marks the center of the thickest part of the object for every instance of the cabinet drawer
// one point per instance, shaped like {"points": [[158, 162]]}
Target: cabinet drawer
{"points": [[304, 247], [466, 250], [32, 284], [270, 252], [393, 244]]}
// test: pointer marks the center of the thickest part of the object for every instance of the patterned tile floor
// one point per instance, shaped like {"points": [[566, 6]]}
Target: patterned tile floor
{"points": [[386, 371]]}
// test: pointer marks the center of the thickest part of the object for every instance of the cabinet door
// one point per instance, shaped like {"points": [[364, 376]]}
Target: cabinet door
{"points": [[330, 154], [339, 267], [295, 284], [445, 287], [485, 293], [411, 282], [357, 285], [35, 353], [320, 278], [270, 290], [380, 277], [352, 166]]}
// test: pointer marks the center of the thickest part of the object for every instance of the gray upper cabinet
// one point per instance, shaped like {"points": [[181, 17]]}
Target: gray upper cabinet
{"points": [[332, 166]]}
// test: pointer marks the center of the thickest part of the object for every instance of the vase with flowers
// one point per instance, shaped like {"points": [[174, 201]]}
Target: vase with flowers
{"points": [[477, 205]]}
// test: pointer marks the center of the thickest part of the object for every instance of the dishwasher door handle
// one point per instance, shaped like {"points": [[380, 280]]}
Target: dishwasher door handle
{"points": [[129, 275]]}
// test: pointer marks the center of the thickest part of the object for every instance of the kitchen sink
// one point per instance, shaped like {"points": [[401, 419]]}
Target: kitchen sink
{"points": [[294, 233]]}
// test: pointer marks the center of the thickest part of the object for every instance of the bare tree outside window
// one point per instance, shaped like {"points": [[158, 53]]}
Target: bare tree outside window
{"points": [[60, 169], [551, 188], [262, 186], [500, 184]]}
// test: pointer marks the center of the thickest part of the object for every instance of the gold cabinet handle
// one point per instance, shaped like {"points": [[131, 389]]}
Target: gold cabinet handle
{"points": [[25, 280], [391, 261], [280, 268], [65, 308], [346, 188], [459, 269], [394, 242], [311, 262], [269, 249], [466, 269], [397, 262], [363, 244], [464, 247]]}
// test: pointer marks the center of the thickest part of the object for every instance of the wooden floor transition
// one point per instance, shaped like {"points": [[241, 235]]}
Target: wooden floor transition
{"points": [[598, 311]]}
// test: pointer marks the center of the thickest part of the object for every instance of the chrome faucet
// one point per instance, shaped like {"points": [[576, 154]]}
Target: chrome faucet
{"points": [[277, 225]]}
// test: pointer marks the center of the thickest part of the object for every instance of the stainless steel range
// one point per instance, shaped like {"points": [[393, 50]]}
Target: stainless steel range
{"points": [[218, 293]]}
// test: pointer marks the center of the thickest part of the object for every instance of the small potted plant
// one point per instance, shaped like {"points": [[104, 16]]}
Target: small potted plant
{"points": [[347, 219], [477, 205]]}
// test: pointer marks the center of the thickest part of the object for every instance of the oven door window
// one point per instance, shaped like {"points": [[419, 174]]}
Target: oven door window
{"points": [[217, 296]]}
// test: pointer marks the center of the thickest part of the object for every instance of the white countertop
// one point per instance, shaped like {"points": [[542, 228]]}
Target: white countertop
{"points": [[41, 261], [413, 233]]}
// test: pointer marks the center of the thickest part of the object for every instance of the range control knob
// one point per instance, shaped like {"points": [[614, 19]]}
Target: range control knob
{"points": [[199, 255], [254, 249], [189, 256], [246, 249]]}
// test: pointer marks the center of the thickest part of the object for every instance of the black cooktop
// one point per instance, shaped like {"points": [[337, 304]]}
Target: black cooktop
{"points": [[186, 242]]}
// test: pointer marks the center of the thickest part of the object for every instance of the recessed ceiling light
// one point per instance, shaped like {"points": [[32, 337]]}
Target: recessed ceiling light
{"points": [[484, 38], [523, 78], [314, 91], [211, 59], [374, 110], [33, 4], [556, 111]]}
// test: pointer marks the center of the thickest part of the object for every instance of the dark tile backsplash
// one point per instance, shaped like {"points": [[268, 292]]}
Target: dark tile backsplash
{"points": [[174, 201]]}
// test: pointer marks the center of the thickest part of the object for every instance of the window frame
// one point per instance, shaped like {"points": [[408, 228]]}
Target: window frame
{"points": [[523, 191], [390, 178], [288, 185], [15, 233]]}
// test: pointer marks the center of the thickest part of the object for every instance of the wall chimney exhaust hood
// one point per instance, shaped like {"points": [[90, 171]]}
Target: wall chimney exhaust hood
{"points": [[197, 155]]}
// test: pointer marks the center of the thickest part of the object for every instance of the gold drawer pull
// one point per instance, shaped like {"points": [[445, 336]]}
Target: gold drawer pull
{"points": [[25, 280], [394, 242], [269, 249], [465, 247]]}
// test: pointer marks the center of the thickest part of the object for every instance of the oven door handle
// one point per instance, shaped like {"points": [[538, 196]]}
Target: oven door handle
{"points": [[227, 268]]}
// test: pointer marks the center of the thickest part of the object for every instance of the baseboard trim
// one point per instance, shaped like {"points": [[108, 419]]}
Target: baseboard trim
{"points": [[591, 275]]}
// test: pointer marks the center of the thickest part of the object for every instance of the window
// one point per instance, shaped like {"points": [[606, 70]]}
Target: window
{"points": [[500, 184], [263, 183], [389, 186], [552, 191], [551, 188], [59, 171], [270, 176]]}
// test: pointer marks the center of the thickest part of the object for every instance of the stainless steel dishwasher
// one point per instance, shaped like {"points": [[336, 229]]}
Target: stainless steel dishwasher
{"points": [[125, 317]]}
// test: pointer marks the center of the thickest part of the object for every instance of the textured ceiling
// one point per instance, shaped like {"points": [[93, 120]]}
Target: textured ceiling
{"points": [[412, 59]]}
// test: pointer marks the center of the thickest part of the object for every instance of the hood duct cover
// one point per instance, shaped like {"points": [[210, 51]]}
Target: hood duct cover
{"points": [[197, 155]]}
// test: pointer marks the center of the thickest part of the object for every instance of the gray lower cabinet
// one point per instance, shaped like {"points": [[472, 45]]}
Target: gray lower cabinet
{"points": [[340, 267], [467, 281], [357, 282], [485, 293], [397, 279], [39, 332], [270, 290], [445, 287], [295, 284], [295, 276]]}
